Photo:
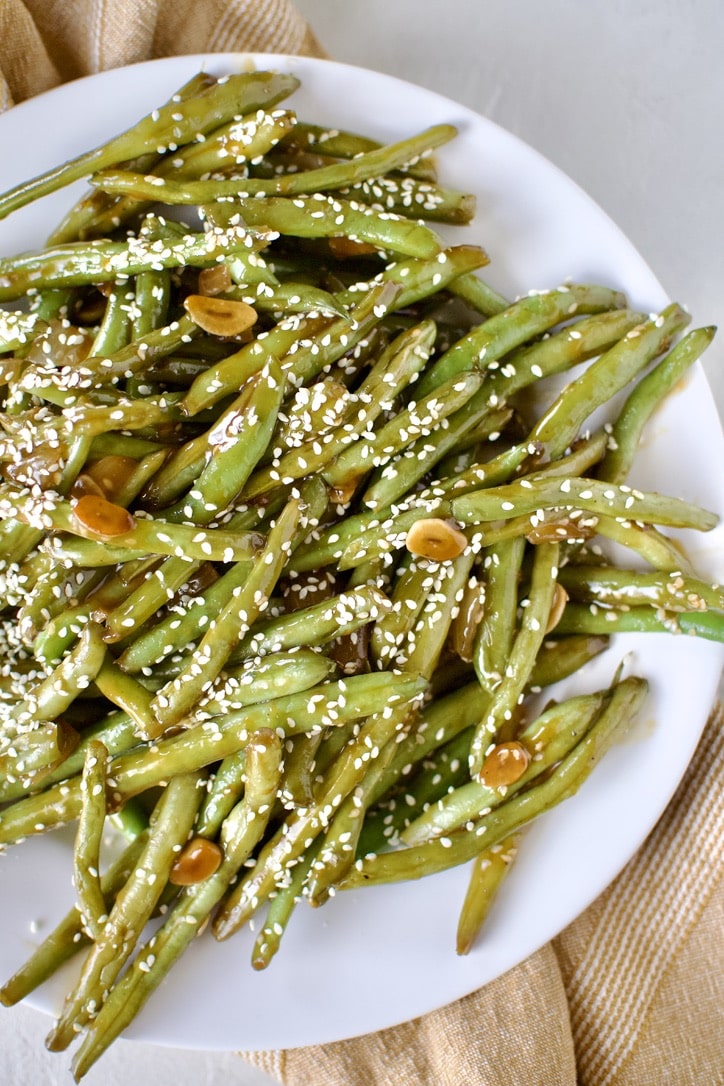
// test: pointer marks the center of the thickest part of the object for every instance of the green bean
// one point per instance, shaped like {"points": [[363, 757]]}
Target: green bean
{"points": [[17, 540], [75, 673], [178, 371], [305, 361], [286, 298], [559, 425], [28, 573], [105, 213], [236, 445], [419, 419], [496, 631], [91, 419], [339, 846], [547, 739], [582, 456], [145, 537], [232, 144], [644, 399], [18, 329], [623, 588], [479, 295], [534, 493], [315, 625], [51, 643], [330, 704], [123, 445], [414, 199], [489, 870], [349, 546], [337, 702], [53, 304], [240, 833], [155, 591], [441, 853], [220, 149], [227, 376], [99, 370], [654, 547], [316, 409], [131, 819], [273, 676], [300, 765], [508, 692], [127, 694], [579, 618], [32, 755], [372, 574], [116, 732], [114, 330], [84, 262], [411, 792], [561, 657], [332, 742], [413, 584], [516, 325], [153, 296], [225, 788], [431, 631], [171, 824], [321, 216], [92, 816], [440, 722], [177, 698], [95, 214], [125, 491], [182, 625], [340, 144], [336, 176], [179, 122], [185, 463], [398, 364], [575, 343], [160, 588], [420, 278], [280, 910], [55, 589], [470, 424], [69, 936]]}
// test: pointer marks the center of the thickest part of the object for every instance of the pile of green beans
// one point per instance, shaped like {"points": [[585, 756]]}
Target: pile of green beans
{"points": [[225, 627]]}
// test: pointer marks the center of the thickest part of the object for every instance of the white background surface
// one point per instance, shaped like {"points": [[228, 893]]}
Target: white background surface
{"points": [[626, 99]]}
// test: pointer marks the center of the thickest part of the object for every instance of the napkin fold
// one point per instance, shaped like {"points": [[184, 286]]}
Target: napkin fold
{"points": [[46, 42], [631, 993]]}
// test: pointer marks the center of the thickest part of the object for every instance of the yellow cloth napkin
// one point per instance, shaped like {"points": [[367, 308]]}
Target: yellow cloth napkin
{"points": [[46, 42], [631, 993]]}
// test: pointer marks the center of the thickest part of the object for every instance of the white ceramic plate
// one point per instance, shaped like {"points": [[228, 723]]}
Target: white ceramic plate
{"points": [[373, 958]]}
